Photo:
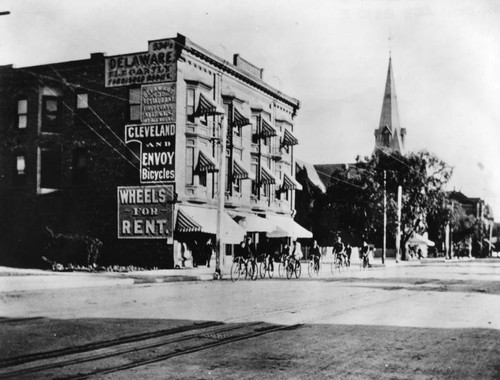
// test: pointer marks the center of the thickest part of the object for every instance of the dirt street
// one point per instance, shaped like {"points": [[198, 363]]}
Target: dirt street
{"points": [[433, 321]]}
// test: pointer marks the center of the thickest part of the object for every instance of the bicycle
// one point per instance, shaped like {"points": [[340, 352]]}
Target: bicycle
{"points": [[282, 264], [363, 264], [293, 267], [312, 267], [337, 263], [266, 265], [240, 266]]}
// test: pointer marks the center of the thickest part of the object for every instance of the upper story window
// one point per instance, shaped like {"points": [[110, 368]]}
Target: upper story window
{"points": [[386, 139], [82, 100], [190, 103], [20, 170], [80, 166], [51, 114], [22, 114], [134, 101], [50, 170], [189, 161]]}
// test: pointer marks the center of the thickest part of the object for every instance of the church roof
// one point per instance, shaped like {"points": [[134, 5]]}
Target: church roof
{"points": [[389, 118]]}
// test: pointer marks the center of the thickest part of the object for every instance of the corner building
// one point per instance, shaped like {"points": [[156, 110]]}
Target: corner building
{"points": [[128, 149]]}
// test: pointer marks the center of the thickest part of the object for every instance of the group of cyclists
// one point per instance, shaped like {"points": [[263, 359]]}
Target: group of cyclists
{"points": [[288, 258]]}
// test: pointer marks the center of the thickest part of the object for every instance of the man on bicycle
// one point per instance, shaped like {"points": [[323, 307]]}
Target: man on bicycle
{"points": [[315, 254], [248, 252], [339, 251], [364, 254]]}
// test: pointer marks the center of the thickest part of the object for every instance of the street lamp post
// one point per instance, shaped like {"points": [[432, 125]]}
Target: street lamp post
{"points": [[384, 246]]}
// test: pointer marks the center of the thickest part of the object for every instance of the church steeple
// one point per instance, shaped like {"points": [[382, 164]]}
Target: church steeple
{"points": [[390, 136]]}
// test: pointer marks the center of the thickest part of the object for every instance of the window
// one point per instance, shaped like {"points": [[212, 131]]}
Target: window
{"points": [[253, 168], [134, 101], [190, 104], [82, 101], [50, 169], [51, 114], [20, 171], [22, 114], [202, 175], [255, 120], [189, 162], [79, 166]]}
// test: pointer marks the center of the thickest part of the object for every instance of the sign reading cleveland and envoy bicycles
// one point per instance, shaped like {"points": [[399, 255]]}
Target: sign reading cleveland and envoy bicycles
{"points": [[145, 212], [157, 153]]}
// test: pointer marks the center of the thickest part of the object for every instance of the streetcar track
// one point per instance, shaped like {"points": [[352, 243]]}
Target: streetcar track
{"points": [[254, 334], [24, 359], [117, 352]]}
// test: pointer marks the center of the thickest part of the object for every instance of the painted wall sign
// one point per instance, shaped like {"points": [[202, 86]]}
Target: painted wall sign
{"points": [[157, 152], [154, 66], [145, 212], [158, 103]]}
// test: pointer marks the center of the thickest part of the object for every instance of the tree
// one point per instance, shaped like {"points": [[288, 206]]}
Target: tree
{"points": [[354, 203]]}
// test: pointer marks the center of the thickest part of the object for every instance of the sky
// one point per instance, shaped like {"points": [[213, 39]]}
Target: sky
{"points": [[332, 55]]}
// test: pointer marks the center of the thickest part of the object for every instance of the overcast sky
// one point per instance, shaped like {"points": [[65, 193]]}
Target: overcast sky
{"points": [[332, 55]]}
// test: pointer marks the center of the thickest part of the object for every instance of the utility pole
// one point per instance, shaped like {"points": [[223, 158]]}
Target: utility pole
{"points": [[384, 246], [222, 198], [398, 231]]}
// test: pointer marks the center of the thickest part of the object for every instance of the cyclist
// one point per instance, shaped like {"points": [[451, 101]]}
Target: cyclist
{"points": [[315, 254], [265, 251], [339, 251], [364, 254], [249, 253]]}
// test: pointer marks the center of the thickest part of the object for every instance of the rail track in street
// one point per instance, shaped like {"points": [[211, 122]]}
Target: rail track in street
{"points": [[128, 352]]}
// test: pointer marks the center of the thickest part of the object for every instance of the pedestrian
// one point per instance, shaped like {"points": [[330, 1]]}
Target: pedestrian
{"points": [[208, 252], [348, 251], [195, 249], [419, 253]]}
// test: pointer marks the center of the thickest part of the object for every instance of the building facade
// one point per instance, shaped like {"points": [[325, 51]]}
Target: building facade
{"points": [[128, 149]]}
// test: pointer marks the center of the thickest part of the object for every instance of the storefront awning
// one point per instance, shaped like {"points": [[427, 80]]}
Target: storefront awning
{"points": [[252, 223], [267, 130], [266, 178], [286, 227], [206, 218], [418, 239], [239, 120], [206, 163], [290, 183], [289, 139], [239, 172], [185, 223], [207, 106]]}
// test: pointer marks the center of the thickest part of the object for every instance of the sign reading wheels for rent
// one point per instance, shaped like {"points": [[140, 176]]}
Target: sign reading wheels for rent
{"points": [[145, 212], [157, 153]]}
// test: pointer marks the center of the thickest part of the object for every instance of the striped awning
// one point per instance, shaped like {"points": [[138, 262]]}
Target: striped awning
{"points": [[289, 139], [239, 120], [206, 163], [290, 183], [239, 172], [267, 130], [207, 218], [266, 177], [208, 107], [185, 223]]}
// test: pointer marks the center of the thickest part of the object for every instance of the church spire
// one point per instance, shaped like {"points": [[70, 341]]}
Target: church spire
{"points": [[390, 136]]}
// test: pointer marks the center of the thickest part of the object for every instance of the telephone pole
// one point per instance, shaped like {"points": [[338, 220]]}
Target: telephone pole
{"points": [[384, 247]]}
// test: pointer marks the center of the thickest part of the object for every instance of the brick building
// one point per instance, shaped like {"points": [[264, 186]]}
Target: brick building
{"points": [[127, 149]]}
